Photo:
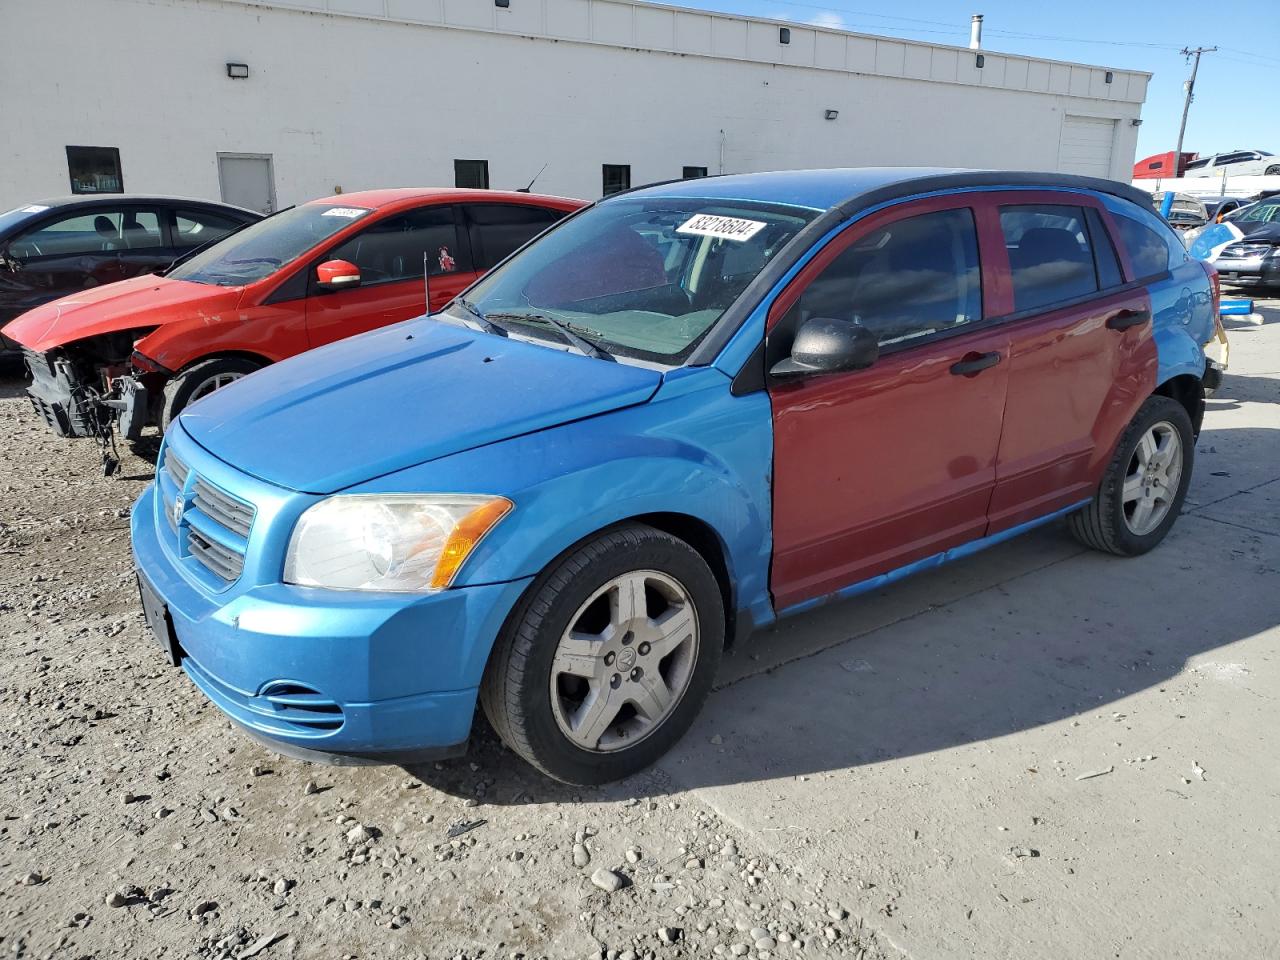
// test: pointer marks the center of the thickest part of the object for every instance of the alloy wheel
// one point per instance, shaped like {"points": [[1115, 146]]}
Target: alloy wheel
{"points": [[1152, 479], [216, 382], [625, 661]]}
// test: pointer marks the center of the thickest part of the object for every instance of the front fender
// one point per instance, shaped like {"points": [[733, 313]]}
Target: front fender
{"points": [[694, 450], [272, 332]]}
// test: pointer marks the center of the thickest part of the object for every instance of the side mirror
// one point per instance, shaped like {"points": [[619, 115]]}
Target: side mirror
{"points": [[337, 275], [824, 345]]}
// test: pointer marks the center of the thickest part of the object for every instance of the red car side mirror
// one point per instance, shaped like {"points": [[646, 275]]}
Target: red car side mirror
{"points": [[337, 275]]}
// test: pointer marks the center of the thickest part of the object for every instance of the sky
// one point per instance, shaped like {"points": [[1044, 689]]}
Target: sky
{"points": [[1237, 93]]}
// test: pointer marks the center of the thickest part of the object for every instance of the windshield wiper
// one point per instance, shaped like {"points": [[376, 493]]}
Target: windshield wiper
{"points": [[488, 325], [582, 344]]}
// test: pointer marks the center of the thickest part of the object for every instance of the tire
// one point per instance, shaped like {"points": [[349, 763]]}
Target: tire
{"points": [[529, 700], [1107, 522], [193, 382]]}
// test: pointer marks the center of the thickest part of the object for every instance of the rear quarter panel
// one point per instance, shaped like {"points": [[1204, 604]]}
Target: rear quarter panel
{"points": [[1181, 303]]}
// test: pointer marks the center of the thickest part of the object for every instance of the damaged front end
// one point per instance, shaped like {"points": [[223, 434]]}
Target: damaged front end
{"points": [[88, 389]]}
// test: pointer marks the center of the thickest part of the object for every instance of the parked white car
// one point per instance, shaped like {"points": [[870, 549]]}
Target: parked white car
{"points": [[1238, 163]]}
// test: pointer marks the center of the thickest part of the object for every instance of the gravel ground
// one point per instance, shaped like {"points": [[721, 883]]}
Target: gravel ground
{"points": [[904, 810], [136, 822]]}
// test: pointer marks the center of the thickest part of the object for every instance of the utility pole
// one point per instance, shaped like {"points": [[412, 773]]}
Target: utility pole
{"points": [[1186, 104]]}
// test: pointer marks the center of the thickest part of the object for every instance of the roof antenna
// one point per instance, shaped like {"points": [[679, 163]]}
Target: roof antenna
{"points": [[534, 180]]}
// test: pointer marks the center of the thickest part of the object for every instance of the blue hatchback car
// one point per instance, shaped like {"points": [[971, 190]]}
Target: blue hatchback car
{"points": [[678, 415]]}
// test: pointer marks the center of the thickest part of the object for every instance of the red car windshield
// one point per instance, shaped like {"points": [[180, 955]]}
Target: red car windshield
{"points": [[260, 250]]}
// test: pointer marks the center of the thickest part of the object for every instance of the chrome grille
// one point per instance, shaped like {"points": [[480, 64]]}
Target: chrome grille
{"points": [[213, 523], [222, 561], [235, 515], [177, 469], [1245, 250]]}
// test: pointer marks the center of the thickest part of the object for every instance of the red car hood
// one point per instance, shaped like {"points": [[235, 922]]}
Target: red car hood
{"points": [[139, 302]]}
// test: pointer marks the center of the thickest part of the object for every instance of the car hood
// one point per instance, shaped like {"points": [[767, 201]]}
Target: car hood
{"points": [[401, 396], [126, 305], [1261, 231]]}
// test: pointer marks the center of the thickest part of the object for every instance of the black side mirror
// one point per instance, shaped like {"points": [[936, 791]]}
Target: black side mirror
{"points": [[824, 345]]}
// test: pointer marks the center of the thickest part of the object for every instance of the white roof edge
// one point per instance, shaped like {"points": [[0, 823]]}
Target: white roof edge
{"points": [[819, 28], [325, 8]]}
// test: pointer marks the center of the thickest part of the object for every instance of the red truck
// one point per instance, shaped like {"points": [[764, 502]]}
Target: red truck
{"points": [[139, 351]]}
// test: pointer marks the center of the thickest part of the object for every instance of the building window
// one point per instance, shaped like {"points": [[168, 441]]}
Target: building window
{"points": [[693, 173], [617, 177], [473, 174], [95, 169]]}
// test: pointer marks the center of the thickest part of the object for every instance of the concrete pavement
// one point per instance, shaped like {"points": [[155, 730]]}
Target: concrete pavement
{"points": [[1040, 751]]}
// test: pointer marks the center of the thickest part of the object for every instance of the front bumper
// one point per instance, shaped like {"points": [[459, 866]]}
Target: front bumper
{"points": [[331, 675], [1249, 271], [59, 397]]}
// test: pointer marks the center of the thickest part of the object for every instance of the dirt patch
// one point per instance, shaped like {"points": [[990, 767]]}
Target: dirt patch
{"points": [[136, 822]]}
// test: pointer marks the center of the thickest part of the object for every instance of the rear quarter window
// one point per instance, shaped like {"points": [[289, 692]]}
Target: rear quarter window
{"points": [[1148, 252]]}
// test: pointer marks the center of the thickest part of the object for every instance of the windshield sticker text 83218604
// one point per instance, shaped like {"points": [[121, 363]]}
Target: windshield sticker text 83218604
{"points": [[723, 228]]}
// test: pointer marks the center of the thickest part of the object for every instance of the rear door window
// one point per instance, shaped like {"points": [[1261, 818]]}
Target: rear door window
{"points": [[1050, 257], [398, 247], [192, 228], [1148, 253], [499, 229], [907, 280]]}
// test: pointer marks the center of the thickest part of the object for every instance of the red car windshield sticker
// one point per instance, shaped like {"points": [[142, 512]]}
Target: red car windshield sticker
{"points": [[447, 263]]}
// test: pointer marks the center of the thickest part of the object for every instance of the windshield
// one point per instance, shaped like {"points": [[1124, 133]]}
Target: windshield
{"points": [[263, 248], [19, 215], [1263, 212], [645, 278]]}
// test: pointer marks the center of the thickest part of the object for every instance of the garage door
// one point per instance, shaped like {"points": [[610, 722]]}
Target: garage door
{"points": [[1085, 146]]}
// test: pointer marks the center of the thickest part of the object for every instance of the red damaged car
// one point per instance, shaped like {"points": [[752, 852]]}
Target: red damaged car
{"points": [[139, 351]]}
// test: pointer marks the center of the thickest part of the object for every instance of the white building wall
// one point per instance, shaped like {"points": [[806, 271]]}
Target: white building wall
{"points": [[353, 94]]}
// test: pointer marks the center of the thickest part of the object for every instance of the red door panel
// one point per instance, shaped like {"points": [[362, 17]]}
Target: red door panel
{"points": [[1074, 384], [877, 468], [344, 313]]}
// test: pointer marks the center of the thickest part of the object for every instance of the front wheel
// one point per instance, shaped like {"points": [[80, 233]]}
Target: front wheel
{"points": [[606, 661], [198, 381], [1145, 483]]}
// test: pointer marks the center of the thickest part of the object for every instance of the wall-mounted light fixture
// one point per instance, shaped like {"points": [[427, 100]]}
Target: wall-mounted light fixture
{"points": [[980, 61], [784, 34], [1110, 76], [238, 71], [504, 4], [832, 114]]}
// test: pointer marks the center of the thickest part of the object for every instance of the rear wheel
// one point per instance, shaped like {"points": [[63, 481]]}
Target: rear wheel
{"points": [[1144, 485], [199, 380], [606, 661]]}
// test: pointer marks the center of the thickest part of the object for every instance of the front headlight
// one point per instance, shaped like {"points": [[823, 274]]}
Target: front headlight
{"points": [[392, 542]]}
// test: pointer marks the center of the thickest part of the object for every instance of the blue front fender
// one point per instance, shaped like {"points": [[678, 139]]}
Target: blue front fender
{"points": [[571, 481]]}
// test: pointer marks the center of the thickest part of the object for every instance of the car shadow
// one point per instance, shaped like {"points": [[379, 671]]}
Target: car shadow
{"points": [[1031, 632], [12, 382]]}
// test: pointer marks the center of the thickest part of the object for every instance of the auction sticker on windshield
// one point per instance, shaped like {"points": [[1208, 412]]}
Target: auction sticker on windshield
{"points": [[349, 212], [723, 228]]}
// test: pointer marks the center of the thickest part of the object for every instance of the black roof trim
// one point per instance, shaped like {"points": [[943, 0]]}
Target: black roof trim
{"points": [[724, 329], [990, 179], [131, 198]]}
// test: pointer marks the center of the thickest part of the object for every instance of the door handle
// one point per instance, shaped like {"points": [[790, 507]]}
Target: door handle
{"points": [[1128, 318], [975, 363]]}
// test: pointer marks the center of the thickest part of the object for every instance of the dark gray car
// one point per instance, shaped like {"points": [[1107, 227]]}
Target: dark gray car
{"points": [[52, 248]]}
